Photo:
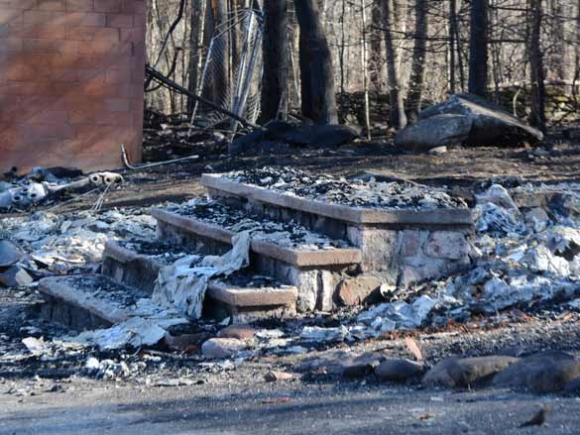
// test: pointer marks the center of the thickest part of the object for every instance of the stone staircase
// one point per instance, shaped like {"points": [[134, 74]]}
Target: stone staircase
{"points": [[304, 252]]}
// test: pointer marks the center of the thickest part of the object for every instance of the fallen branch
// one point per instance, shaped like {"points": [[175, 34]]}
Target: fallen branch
{"points": [[131, 167]]}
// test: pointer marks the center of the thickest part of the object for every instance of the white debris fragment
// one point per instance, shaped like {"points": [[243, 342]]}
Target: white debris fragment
{"points": [[135, 332], [541, 259], [315, 333], [183, 284], [399, 315], [36, 346], [499, 196]]}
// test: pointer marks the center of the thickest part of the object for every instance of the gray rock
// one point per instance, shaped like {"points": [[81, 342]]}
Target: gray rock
{"points": [[434, 132], [361, 366], [9, 253], [463, 372], [15, 277], [218, 348], [573, 386], [491, 125], [399, 370], [341, 363], [546, 372]]}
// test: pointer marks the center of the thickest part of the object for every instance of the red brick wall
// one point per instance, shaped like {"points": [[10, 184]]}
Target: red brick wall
{"points": [[71, 82]]}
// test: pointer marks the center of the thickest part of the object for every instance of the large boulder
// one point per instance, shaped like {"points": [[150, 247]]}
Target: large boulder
{"points": [[437, 131], [489, 125]]}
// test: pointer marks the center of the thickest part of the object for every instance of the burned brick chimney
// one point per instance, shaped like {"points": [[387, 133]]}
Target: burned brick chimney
{"points": [[71, 82]]}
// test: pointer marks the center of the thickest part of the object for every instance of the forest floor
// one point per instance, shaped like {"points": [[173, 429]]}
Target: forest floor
{"points": [[214, 400], [470, 168]]}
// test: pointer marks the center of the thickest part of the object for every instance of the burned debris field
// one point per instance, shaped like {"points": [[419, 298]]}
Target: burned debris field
{"points": [[295, 216]]}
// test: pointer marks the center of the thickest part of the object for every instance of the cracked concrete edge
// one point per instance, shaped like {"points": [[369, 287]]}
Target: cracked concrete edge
{"points": [[252, 297], [339, 212], [291, 256]]}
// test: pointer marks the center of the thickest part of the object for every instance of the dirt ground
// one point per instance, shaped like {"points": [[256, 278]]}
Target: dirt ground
{"points": [[469, 168], [293, 408], [240, 401]]}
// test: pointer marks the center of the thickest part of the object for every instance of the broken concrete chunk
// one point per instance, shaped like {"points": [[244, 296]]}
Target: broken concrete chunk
{"points": [[435, 132], [219, 348], [463, 372], [315, 333], [399, 370]]}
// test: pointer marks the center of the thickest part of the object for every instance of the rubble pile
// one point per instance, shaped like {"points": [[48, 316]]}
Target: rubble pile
{"points": [[45, 244], [525, 257]]}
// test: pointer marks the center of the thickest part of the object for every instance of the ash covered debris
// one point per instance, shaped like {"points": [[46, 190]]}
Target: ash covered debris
{"points": [[526, 253], [42, 186], [354, 193], [286, 234]]}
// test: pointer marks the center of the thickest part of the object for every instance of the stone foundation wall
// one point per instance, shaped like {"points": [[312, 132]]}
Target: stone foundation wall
{"points": [[407, 256], [71, 82]]}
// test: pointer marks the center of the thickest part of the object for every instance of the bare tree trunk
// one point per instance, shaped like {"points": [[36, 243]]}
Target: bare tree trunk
{"points": [[557, 58], [342, 46], [274, 99], [195, 42], [316, 72], [538, 115], [478, 48], [415, 95], [398, 119], [364, 65], [376, 58], [452, 34]]}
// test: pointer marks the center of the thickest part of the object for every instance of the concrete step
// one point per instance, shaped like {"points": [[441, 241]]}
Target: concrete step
{"points": [[245, 304], [290, 253], [242, 296], [137, 263], [286, 206], [94, 301], [290, 243], [407, 245]]}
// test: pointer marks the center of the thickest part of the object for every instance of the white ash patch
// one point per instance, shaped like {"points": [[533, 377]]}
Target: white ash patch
{"points": [[72, 242], [352, 193], [284, 234]]}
